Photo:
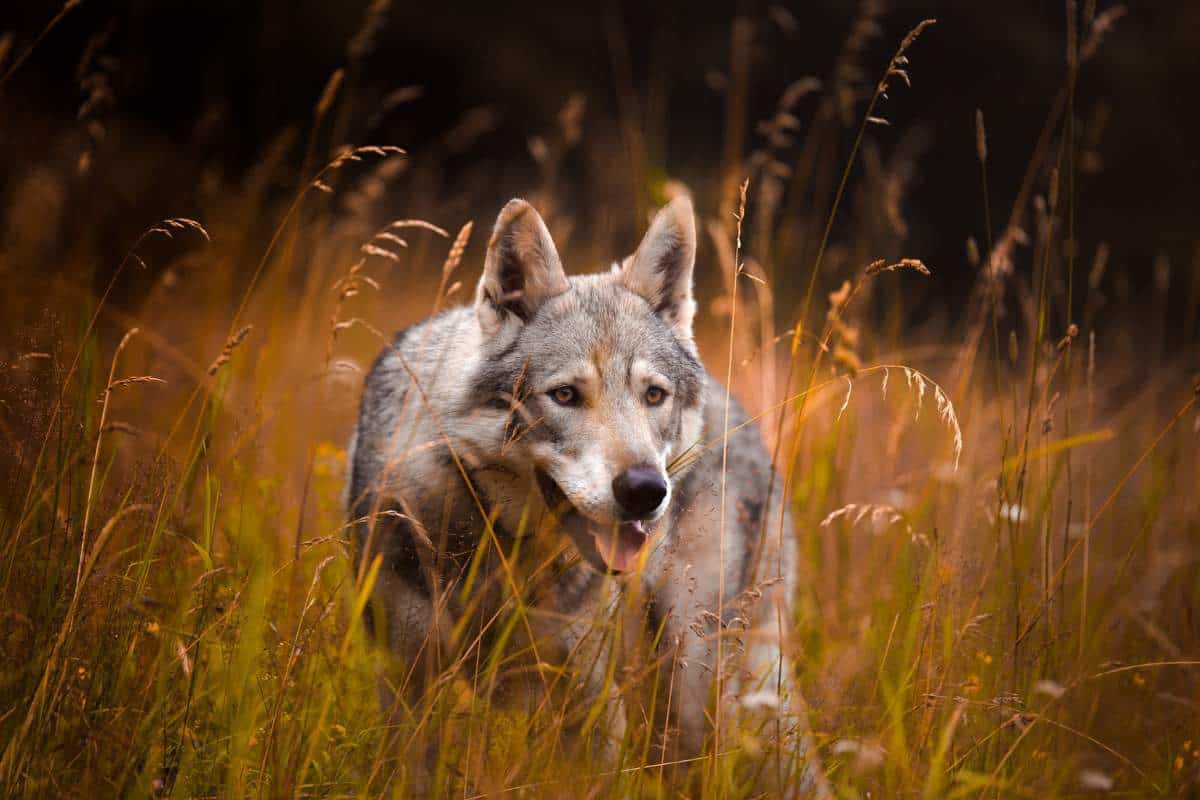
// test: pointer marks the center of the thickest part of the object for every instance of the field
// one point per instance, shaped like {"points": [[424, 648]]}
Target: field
{"points": [[996, 498]]}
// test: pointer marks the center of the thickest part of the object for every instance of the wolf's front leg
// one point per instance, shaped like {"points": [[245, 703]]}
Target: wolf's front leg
{"points": [[588, 696], [758, 697], [768, 704]]}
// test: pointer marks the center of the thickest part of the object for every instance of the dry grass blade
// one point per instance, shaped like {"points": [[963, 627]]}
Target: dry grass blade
{"points": [[980, 137], [91, 485], [1102, 25], [122, 382], [880, 515], [417, 223], [172, 225], [329, 93], [846, 399], [231, 344], [739, 216], [457, 249], [6, 43], [355, 154], [381, 252], [897, 66], [881, 265], [453, 259], [920, 383]]}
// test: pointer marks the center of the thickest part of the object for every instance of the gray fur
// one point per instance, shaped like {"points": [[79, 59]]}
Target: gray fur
{"points": [[455, 419]]}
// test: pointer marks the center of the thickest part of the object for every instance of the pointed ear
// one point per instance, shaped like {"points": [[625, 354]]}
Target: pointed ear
{"points": [[521, 270], [661, 269]]}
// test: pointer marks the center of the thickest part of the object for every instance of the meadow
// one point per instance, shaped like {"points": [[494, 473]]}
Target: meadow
{"points": [[996, 503]]}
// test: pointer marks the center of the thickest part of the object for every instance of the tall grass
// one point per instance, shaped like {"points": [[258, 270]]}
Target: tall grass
{"points": [[997, 537]]}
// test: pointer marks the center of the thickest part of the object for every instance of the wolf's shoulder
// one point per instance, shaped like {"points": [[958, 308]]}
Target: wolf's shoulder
{"points": [[747, 436], [431, 352], [418, 373], [411, 346], [747, 460]]}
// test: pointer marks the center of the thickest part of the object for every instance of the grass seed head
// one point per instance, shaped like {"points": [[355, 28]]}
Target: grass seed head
{"points": [[231, 344]]}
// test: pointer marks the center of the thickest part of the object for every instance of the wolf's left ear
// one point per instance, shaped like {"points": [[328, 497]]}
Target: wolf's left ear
{"points": [[661, 269], [521, 270]]}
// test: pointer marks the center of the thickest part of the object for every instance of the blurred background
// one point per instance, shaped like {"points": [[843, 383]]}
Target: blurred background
{"points": [[1018, 620], [170, 100]]}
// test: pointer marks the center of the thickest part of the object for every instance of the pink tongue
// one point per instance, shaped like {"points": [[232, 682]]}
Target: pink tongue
{"points": [[620, 552]]}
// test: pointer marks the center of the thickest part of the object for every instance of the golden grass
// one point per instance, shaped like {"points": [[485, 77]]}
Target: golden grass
{"points": [[998, 598]]}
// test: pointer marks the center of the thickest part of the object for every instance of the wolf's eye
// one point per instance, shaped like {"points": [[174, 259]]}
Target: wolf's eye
{"points": [[655, 396], [565, 395]]}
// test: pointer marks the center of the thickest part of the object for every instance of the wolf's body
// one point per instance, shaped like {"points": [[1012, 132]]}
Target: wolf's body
{"points": [[532, 415]]}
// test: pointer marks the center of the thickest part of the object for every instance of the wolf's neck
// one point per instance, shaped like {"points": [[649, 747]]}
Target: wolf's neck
{"points": [[509, 496]]}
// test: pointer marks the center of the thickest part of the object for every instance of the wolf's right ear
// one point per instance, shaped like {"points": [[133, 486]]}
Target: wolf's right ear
{"points": [[521, 270]]}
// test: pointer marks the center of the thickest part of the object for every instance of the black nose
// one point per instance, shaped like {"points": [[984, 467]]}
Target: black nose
{"points": [[639, 490]]}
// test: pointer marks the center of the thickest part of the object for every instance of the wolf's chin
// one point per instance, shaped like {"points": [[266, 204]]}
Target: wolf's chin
{"points": [[607, 548]]}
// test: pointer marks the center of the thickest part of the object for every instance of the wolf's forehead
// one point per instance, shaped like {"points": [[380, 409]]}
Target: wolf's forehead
{"points": [[596, 325], [595, 321]]}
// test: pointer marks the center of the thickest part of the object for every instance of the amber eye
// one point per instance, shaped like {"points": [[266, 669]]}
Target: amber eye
{"points": [[655, 396], [565, 395]]}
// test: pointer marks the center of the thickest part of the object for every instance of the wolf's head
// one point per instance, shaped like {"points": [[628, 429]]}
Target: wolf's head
{"points": [[594, 380]]}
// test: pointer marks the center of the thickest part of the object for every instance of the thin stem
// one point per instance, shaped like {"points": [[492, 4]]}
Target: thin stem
{"points": [[719, 677]]}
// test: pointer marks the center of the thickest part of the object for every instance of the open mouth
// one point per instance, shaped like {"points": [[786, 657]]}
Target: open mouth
{"points": [[608, 548]]}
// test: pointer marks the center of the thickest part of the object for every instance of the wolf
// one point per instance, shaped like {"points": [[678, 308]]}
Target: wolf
{"points": [[567, 423]]}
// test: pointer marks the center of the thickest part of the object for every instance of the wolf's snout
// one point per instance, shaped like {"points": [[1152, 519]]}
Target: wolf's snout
{"points": [[639, 490]]}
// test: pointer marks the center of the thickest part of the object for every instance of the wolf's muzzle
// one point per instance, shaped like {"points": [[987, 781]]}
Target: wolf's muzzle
{"points": [[639, 490]]}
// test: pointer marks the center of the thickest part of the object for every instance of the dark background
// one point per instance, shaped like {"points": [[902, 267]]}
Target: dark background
{"points": [[212, 83]]}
